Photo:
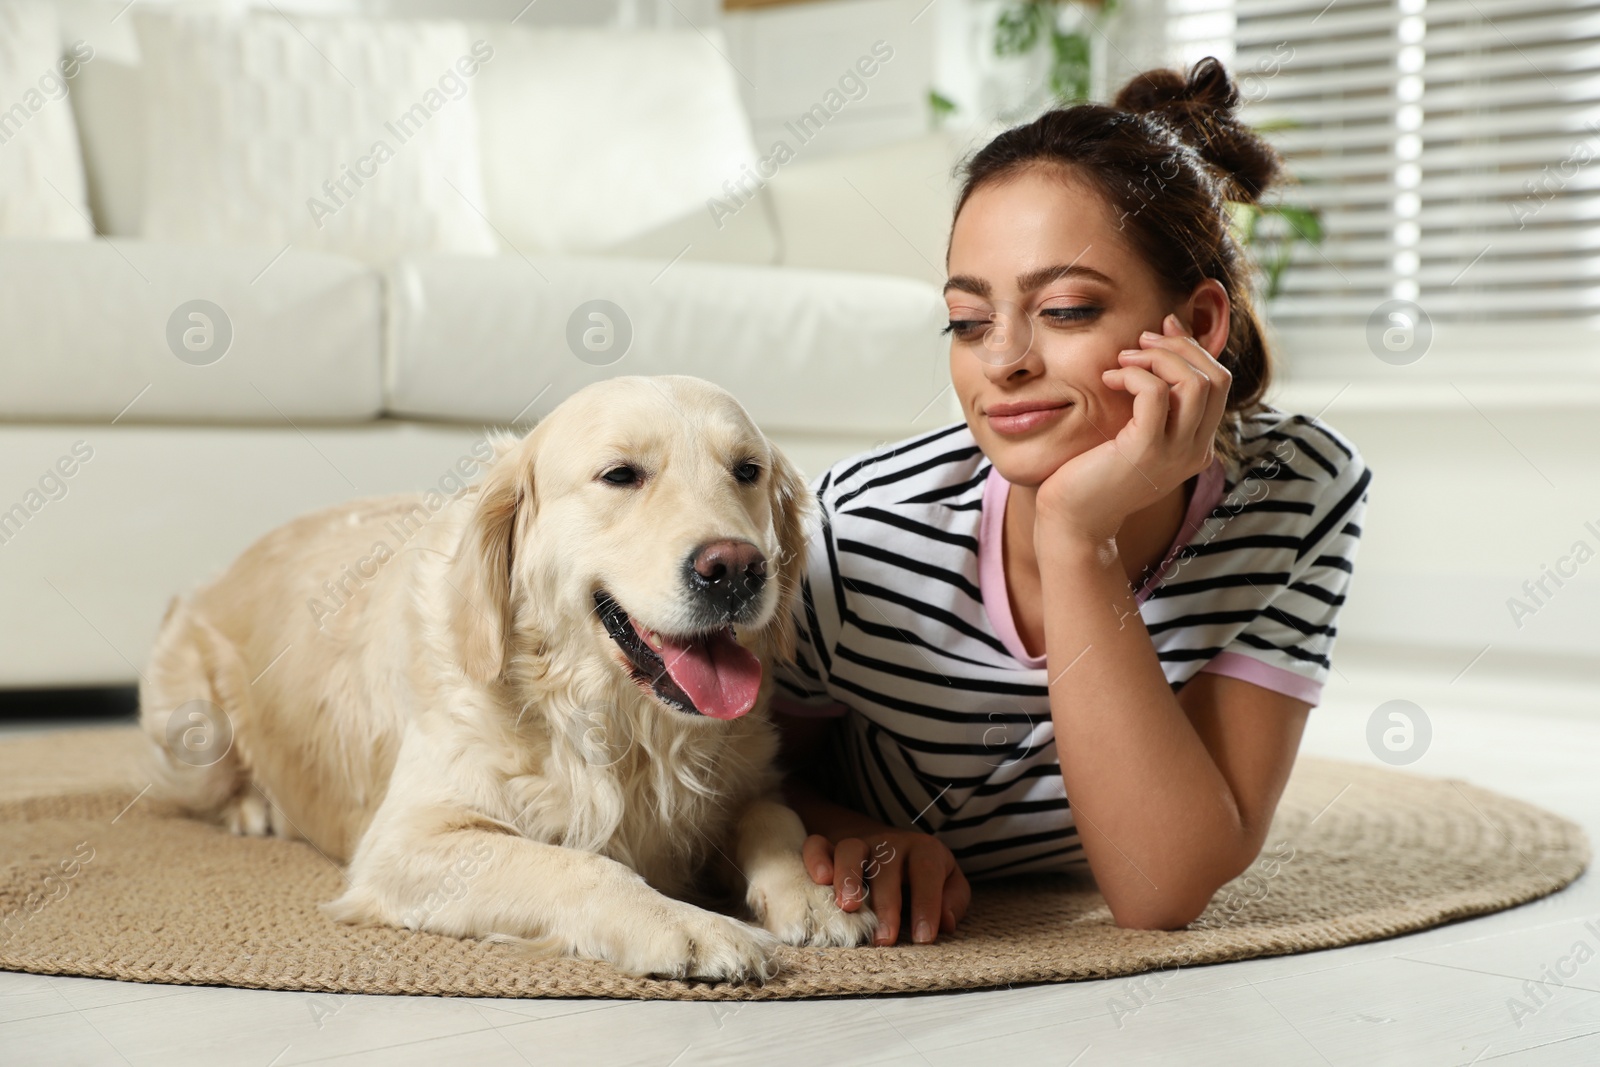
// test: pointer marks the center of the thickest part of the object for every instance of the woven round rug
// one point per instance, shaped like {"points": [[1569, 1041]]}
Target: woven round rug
{"points": [[94, 881]]}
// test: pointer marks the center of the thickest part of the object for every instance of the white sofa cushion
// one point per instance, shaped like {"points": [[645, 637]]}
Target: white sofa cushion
{"points": [[41, 169], [657, 112], [352, 135], [108, 103], [479, 339], [87, 327]]}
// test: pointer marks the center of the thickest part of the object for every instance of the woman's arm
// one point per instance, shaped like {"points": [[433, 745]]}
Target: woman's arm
{"points": [[1172, 795]]}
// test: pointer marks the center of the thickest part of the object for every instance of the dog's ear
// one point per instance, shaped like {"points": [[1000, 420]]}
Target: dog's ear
{"points": [[480, 573], [793, 506]]}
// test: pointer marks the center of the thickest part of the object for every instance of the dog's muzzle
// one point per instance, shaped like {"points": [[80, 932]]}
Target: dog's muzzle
{"points": [[706, 672], [726, 579]]}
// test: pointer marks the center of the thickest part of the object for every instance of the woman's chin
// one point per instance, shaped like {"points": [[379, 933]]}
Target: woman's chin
{"points": [[1026, 471], [1026, 463]]}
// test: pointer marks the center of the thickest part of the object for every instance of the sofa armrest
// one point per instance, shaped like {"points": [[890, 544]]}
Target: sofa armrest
{"points": [[145, 331]]}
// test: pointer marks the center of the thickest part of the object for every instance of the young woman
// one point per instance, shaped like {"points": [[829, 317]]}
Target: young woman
{"points": [[1115, 582]]}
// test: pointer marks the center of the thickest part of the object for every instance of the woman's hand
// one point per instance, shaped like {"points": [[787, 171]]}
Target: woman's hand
{"points": [[886, 859], [1179, 395]]}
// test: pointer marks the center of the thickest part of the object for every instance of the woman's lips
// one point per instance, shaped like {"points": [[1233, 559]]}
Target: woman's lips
{"points": [[1020, 418]]}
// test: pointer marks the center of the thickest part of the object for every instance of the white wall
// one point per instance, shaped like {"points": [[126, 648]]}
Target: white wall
{"points": [[1475, 492], [789, 57]]}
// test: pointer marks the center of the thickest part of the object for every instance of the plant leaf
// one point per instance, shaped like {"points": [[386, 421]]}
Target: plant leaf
{"points": [[1303, 222], [1069, 67], [1016, 30]]}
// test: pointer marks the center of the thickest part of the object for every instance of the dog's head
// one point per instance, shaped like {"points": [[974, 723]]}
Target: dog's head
{"points": [[645, 523]]}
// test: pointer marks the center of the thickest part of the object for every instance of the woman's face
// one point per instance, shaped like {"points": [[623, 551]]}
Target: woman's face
{"points": [[1044, 291]]}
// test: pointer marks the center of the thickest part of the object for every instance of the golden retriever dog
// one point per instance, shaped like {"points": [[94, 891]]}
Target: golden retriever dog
{"points": [[544, 719]]}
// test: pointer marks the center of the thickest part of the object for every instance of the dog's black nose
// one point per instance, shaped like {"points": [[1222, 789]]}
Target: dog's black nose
{"points": [[728, 574]]}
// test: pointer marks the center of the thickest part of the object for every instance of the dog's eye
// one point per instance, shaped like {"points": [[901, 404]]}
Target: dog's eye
{"points": [[747, 473], [621, 476]]}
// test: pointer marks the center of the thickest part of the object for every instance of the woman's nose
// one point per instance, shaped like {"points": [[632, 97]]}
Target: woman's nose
{"points": [[1007, 344]]}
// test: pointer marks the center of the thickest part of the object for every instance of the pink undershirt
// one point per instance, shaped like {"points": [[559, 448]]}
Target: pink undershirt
{"points": [[997, 601]]}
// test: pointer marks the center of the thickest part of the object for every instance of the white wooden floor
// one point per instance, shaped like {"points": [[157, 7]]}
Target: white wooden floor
{"points": [[1444, 996]]}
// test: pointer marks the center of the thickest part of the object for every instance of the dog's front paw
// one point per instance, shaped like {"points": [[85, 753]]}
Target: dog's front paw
{"points": [[692, 942], [801, 912], [250, 814]]}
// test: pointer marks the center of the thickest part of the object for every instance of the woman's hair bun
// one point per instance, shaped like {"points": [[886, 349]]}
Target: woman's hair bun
{"points": [[1202, 109]]}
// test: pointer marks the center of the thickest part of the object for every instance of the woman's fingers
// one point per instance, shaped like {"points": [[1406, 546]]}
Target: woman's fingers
{"points": [[927, 889], [1199, 381], [1221, 379], [1188, 384], [817, 854], [1183, 363], [957, 897], [939, 891], [848, 889], [1151, 403], [1176, 361], [886, 897]]}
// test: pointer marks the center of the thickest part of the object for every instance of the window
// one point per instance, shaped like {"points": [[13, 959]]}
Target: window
{"points": [[1452, 148]]}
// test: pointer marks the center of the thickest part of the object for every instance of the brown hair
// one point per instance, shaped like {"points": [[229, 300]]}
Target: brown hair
{"points": [[1167, 154]]}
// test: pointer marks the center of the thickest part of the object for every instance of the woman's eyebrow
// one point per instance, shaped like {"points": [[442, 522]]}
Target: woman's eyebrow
{"points": [[968, 284], [1030, 281], [1027, 283]]}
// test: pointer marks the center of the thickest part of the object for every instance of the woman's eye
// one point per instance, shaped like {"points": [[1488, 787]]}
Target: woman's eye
{"points": [[1076, 313], [621, 476], [965, 329], [747, 473], [972, 329]]}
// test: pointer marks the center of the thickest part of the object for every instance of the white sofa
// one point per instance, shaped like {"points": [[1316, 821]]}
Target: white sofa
{"points": [[128, 473]]}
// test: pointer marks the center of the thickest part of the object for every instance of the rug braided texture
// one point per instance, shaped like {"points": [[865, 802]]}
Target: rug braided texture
{"points": [[95, 882]]}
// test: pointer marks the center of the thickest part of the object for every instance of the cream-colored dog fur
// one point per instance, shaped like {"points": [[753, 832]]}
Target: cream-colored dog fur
{"points": [[466, 738]]}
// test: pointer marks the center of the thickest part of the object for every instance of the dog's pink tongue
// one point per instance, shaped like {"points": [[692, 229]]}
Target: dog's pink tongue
{"points": [[720, 675]]}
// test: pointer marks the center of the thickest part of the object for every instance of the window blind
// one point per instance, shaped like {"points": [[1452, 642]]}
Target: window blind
{"points": [[1452, 148]]}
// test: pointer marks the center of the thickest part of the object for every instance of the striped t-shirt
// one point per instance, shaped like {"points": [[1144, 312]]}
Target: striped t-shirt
{"points": [[906, 631]]}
